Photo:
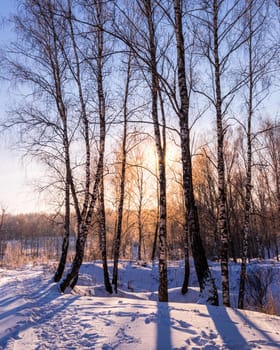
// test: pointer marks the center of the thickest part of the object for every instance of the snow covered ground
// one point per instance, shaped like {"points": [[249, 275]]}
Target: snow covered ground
{"points": [[35, 315]]}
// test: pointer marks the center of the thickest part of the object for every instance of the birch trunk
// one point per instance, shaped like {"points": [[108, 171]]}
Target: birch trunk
{"points": [[222, 215], [62, 111], [72, 277], [139, 221], [156, 230], [65, 243], [103, 238], [155, 241], [248, 170], [88, 209], [102, 120], [160, 147], [117, 241], [206, 282]]}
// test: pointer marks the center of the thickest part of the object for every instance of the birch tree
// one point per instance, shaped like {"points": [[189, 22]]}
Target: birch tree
{"points": [[91, 196], [160, 141], [256, 65], [38, 62], [117, 239], [206, 282], [144, 48], [219, 40]]}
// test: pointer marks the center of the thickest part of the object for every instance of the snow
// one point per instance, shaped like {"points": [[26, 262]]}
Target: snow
{"points": [[35, 315]]}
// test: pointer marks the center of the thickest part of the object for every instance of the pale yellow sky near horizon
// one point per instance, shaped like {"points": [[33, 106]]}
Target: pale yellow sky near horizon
{"points": [[17, 181], [15, 196]]}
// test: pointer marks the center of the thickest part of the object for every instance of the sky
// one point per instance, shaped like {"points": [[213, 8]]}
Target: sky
{"points": [[17, 176]]}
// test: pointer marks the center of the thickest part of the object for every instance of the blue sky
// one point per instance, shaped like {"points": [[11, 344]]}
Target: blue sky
{"points": [[16, 175]]}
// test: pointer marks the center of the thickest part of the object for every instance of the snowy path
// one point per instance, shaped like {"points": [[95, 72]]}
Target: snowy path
{"points": [[34, 315]]}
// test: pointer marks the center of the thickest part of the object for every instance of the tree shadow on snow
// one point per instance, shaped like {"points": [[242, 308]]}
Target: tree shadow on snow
{"points": [[35, 309], [163, 326], [270, 341], [227, 329]]}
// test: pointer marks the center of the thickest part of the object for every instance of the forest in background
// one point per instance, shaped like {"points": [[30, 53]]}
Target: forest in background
{"points": [[157, 126]]}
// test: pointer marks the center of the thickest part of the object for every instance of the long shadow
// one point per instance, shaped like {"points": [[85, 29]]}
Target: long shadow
{"points": [[43, 293], [270, 341], [7, 299], [163, 327], [227, 329], [42, 297]]}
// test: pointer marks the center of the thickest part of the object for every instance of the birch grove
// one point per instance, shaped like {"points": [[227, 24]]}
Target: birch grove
{"points": [[185, 83]]}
